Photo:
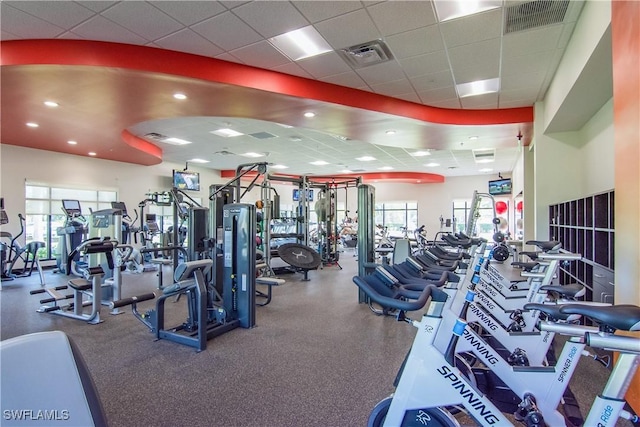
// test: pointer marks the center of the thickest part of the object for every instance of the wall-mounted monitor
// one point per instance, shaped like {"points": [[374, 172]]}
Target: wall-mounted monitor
{"points": [[500, 187], [296, 195], [185, 180]]}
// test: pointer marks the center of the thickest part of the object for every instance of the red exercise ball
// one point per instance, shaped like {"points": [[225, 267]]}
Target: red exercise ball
{"points": [[519, 206], [501, 207]]}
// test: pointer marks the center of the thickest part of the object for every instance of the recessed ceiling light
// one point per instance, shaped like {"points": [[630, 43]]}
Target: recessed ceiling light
{"points": [[278, 166], [432, 165], [486, 170], [252, 154], [479, 87], [91, 153], [227, 133], [386, 168], [366, 158], [309, 114], [32, 125], [179, 96], [390, 132], [51, 104], [198, 161], [70, 142], [421, 154], [452, 9], [346, 171], [473, 138], [301, 43], [319, 163], [176, 141]]}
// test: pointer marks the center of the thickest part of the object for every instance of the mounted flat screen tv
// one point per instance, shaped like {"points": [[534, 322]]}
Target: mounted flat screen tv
{"points": [[185, 180], [499, 187], [296, 195]]}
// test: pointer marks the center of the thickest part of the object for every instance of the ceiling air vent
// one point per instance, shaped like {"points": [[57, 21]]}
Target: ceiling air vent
{"points": [[225, 153], [484, 155], [534, 14], [366, 54], [262, 135]]}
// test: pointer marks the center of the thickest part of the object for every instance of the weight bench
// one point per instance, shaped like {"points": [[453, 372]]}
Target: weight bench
{"points": [[270, 282]]}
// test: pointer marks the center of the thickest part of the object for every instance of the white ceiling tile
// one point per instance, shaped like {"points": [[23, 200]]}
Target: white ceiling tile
{"points": [[473, 28], [271, 18], [433, 81], [101, 28], [412, 97], [233, 3], [228, 57], [425, 64], [381, 73], [143, 19], [415, 42], [190, 42], [348, 79], [514, 104], [69, 35], [476, 61], [4, 35], [532, 41], [324, 65], [398, 16], [393, 88], [227, 31], [261, 54], [449, 103], [97, 5], [529, 94], [429, 97], [348, 30], [24, 25], [293, 69], [64, 14], [190, 12], [319, 10], [537, 62], [523, 79]]}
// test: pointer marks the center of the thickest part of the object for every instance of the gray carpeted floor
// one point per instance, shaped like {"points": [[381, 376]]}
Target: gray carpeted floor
{"points": [[315, 358]]}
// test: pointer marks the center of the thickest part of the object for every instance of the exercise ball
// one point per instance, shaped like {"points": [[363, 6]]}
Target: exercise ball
{"points": [[501, 207]]}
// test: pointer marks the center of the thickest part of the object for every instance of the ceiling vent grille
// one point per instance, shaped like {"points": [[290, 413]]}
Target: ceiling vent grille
{"points": [[484, 155], [262, 135], [366, 54], [534, 14]]}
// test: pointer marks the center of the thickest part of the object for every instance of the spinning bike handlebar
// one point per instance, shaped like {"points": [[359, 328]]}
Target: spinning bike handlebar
{"points": [[397, 304]]}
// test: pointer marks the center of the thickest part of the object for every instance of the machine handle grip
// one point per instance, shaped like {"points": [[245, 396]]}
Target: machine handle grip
{"points": [[132, 300]]}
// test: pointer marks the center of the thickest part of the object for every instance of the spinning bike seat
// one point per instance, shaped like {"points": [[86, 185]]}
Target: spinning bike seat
{"points": [[526, 266], [572, 290], [545, 245], [551, 310], [625, 317]]}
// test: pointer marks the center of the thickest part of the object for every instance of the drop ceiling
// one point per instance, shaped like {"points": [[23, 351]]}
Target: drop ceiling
{"points": [[100, 106]]}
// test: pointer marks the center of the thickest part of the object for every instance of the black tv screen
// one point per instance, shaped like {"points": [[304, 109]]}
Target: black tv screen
{"points": [[500, 186], [185, 180]]}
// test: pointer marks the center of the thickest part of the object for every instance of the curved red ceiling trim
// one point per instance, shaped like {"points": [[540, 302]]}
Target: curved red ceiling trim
{"points": [[142, 145], [106, 54], [399, 177]]}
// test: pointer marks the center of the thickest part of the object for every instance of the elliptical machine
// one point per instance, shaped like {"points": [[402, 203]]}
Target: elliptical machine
{"points": [[11, 252]]}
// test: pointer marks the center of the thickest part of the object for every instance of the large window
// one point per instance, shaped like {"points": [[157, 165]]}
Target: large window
{"points": [[43, 212], [484, 225], [398, 217]]}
